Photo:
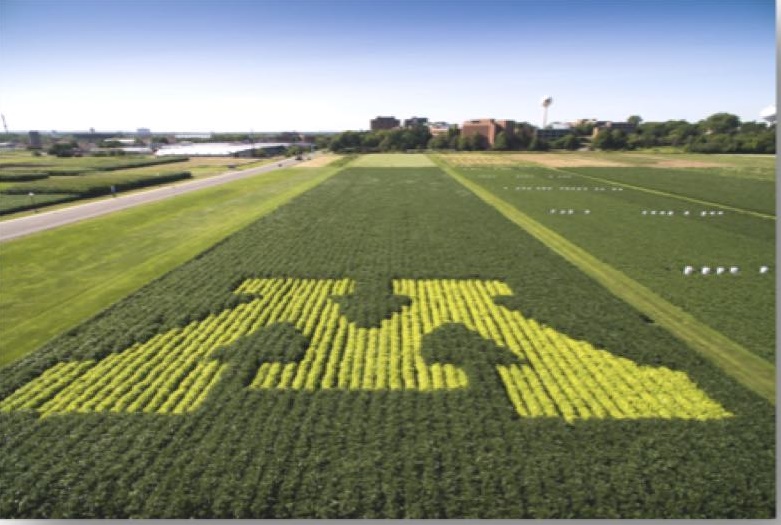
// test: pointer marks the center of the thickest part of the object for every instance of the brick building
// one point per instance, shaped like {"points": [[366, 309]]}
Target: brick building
{"points": [[384, 123], [487, 127]]}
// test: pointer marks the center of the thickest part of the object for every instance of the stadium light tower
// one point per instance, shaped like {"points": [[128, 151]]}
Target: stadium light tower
{"points": [[546, 101]]}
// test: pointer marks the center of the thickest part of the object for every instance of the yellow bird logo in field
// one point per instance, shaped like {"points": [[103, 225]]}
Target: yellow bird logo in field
{"points": [[544, 373]]}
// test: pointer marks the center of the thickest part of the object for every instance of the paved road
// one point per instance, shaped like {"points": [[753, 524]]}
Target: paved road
{"points": [[15, 228]]}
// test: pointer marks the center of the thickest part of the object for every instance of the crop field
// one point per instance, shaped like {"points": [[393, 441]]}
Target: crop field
{"points": [[389, 345], [652, 237]]}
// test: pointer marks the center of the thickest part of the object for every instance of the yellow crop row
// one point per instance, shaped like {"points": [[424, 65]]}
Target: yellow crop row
{"points": [[555, 376]]}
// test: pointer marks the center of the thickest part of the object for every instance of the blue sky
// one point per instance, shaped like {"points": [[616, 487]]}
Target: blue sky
{"points": [[333, 65]]}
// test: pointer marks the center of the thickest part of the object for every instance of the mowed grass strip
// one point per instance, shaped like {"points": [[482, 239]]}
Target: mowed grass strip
{"points": [[53, 280], [744, 366]]}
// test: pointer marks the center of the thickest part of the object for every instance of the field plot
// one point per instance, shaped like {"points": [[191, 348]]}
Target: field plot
{"points": [[56, 180], [632, 231], [15, 203], [718, 186], [369, 351]]}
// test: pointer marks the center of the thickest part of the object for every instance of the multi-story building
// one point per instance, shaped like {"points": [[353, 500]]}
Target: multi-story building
{"points": [[487, 127], [415, 121], [384, 123], [438, 128], [547, 134], [35, 140]]}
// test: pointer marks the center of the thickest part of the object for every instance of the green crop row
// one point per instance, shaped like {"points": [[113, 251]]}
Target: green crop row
{"points": [[95, 184], [17, 203], [249, 451]]}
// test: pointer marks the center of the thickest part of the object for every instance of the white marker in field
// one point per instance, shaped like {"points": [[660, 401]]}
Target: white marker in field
{"points": [[705, 270], [720, 212], [734, 270], [587, 212], [686, 212], [720, 270], [763, 269], [703, 213], [688, 270]]}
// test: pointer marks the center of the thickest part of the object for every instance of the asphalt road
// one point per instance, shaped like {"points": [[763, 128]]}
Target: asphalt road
{"points": [[15, 228]]}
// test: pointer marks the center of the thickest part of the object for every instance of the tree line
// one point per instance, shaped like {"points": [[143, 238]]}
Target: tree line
{"points": [[718, 133]]}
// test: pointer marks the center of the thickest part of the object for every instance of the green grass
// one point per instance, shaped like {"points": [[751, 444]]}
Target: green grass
{"points": [[55, 279], [748, 368], [392, 160]]}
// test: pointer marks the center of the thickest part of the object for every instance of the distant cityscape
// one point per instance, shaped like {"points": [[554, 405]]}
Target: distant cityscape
{"points": [[482, 133], [489, 128]]}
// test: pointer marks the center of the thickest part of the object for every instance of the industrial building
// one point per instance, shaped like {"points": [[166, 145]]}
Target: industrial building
{"points": [[225, 149], [487, 127]]}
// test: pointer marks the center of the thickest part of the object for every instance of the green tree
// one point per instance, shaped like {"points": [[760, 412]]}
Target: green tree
{"points": [[440, 141], [603, 140], [478, 142], [63, 149], [721, 123], [635, 120], [618, 138], [568, 141], [502, 142], [538, 144]]}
